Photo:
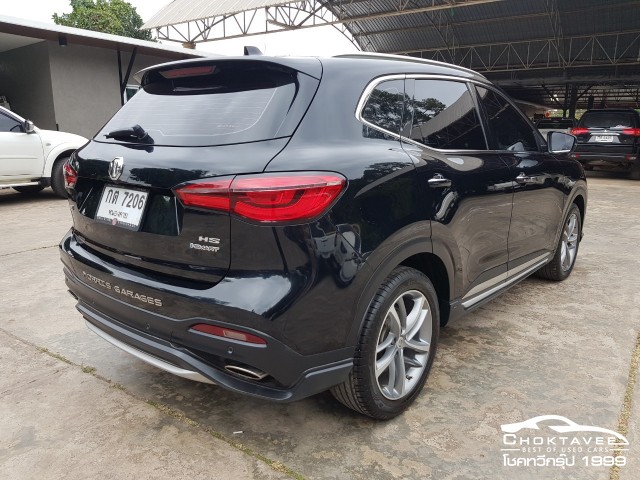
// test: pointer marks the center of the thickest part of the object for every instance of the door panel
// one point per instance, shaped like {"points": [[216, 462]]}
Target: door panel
{"points": [[21, 155], [466, 189]]}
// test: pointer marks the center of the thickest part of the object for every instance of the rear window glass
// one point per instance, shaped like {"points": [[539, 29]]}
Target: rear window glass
{"points": [[555, 124], [607, 120], [212, 105]]}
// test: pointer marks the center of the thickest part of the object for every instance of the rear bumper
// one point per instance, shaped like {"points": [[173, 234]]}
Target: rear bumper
{"points": [[169, 343], [623, 161]]}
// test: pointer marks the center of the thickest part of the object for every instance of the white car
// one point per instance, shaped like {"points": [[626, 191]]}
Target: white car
{"points": [[554, 124], [32, 159]]}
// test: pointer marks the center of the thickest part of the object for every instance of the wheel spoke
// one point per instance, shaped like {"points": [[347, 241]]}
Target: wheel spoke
{"points": [[571, 226], [401, 312], [395, 324], [400, 380], [563, 253], [418, 346], [385, 361], [386, 342], [416, 316]]}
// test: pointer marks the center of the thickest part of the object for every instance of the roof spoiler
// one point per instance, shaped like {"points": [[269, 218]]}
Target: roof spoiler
{"points": [[249, 50]]}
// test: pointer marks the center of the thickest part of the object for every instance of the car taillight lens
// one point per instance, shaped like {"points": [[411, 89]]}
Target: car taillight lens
{"points": [[635, 132], [70, 176], [278, 197], [579, 131]]}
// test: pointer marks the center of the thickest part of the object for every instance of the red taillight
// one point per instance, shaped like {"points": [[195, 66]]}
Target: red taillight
{"points": [[635, 132], [281, 197], [70, 176], [188, 72], [210, 194], [579, 131], [229, 333]]}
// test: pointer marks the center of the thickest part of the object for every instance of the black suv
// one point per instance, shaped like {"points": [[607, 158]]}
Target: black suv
{"points": [[282, 226], [609, 139]]}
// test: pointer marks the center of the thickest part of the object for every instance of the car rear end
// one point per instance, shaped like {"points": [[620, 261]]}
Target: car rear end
{"points": [[183, 252], [608, 139]]}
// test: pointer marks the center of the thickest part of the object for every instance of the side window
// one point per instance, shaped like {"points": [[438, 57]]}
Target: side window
{"points": [[385, 107], [507, 129], [445, 117], [8, 124]]}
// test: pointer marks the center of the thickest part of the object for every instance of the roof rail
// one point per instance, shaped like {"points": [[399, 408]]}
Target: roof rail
{"points": [[406, 58]]}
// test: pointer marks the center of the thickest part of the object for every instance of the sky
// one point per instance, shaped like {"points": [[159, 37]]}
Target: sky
{"points": [[319, 41]]}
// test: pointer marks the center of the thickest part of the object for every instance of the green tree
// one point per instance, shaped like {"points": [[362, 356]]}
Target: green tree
{"points": [[109, 16]]}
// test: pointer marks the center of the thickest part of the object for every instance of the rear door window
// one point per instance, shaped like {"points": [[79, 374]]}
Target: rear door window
{"points": [[385, 107], [216, 104]]}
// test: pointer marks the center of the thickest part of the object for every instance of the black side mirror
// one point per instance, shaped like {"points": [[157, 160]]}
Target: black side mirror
{"points": [[28, 126], [560, 142]]}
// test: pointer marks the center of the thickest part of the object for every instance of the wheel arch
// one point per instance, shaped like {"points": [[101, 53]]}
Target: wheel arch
{"points": [[56, 154]]}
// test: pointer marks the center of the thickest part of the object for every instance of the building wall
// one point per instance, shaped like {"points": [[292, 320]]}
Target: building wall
{"points": [[25, 79], [86, 85]]}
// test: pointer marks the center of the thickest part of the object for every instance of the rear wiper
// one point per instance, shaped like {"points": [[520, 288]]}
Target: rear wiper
{"points": [[133, 133]]}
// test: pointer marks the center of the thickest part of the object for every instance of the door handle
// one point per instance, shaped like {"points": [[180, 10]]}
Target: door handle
{"points": [[525, 179], [438, 181]]}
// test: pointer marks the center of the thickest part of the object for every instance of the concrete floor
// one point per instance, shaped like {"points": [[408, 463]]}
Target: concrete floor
{"points": [[72, 406]]}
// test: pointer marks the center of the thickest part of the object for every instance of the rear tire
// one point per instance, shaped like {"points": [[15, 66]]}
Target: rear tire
{"points": [[57, 178], [634, 174], [396, 347], [561, 265], [29, 189]]}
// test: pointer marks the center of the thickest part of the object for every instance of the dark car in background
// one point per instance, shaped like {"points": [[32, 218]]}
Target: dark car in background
{"points": [[547, 125], [609, 139], [284, 226]]}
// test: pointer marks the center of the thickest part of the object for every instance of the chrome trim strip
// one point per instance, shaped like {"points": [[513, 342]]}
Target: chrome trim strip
{"points": [[23, 184], [150, 359], [484, 285], [518, 273]]}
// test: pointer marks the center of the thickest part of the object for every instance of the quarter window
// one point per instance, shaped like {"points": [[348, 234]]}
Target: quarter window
{"points": [[507, 129], [445, 117], [8, 124], [385, 107]]}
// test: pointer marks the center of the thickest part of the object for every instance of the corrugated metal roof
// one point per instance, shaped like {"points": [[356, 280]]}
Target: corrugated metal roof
{"points": [[182, 11]]}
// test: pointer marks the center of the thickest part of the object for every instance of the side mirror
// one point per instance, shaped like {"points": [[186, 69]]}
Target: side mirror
{"points": [[28, 126], [560, 142]]}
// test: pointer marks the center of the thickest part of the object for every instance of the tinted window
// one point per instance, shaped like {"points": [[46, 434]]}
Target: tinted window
{"points": [[507, 129], [555, 124], [213, 104], [444, 116], [384, 107], [607, 120], [8, 124]]}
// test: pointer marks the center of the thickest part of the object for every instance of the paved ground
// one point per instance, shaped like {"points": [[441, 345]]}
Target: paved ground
{"points": [[73, 406]]}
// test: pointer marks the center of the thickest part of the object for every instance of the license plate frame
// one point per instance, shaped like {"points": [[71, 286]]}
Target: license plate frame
{"points": [[603, 138], [126, 210]]}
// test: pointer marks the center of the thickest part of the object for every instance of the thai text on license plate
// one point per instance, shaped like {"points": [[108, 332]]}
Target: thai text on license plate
{"points": [[122, 207]]}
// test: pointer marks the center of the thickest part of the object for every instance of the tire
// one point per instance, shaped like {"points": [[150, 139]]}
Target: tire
{"points": [[406, 294], [564, 258], [57, 178], [29, 189], [634, 174]]}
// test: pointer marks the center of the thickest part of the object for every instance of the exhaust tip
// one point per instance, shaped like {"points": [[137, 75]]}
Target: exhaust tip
{"points": [[246, 371]]}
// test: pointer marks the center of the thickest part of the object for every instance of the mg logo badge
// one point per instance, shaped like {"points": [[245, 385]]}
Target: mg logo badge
{"points": [[116, 167]]}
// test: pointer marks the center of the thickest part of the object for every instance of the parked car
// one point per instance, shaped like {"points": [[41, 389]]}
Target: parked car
{"points": [[547, 125], [281, 226], [609, 139], [32, 159]]}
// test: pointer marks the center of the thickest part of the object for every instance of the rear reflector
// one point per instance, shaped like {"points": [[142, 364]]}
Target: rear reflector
{"points": [[281, 197], [579, 131], [70, 176], [228, 333]]}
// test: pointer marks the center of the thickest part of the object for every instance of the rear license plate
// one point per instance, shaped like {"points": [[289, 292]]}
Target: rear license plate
{"points": [[122, 207], [603, 138]]}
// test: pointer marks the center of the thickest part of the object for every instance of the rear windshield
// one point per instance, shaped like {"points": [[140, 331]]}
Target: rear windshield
{"points": [[607, 120], [555, 124], [213, 104]]}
